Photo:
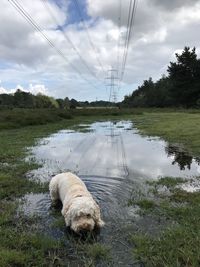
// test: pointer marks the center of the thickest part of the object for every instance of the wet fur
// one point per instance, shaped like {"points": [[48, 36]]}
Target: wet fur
{"points": [[80, 210]]}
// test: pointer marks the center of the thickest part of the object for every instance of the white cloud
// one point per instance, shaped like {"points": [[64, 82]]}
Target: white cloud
{"points": [[33, 89], [3, 90], [38, 88], [161, 28]]}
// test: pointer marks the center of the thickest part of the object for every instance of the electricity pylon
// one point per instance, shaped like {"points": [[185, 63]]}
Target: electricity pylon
{"points": [[112, 77]]}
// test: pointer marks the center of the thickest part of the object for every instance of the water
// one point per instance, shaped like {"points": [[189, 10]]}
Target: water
{"points": [[114, 161]]}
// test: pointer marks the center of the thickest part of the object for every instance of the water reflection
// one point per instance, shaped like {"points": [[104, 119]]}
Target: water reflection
{"points": [[113, 160], [110, 150], [181, 157]]}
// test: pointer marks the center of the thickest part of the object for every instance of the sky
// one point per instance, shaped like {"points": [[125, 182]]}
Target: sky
{"points": [[80, 68]]}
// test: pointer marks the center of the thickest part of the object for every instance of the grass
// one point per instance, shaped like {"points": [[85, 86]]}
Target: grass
{"points": [[145, 204], [19, 117], [175, 247], [169, 182], [178, 245], [97, 252], [16, 118], [181, 128], [20, 185], [21, 244]]}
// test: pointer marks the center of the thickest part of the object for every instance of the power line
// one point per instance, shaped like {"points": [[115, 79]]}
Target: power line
{"points": [[119, 38], [31, 21], [88, 34], [131, 17], [130, 31], [45, 4], [119, 32], [126, 38]]}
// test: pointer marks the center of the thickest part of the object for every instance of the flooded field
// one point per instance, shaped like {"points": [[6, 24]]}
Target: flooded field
{"points": [[115, 162]]}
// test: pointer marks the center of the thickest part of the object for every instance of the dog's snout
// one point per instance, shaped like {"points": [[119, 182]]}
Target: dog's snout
{"points": [[85, 227]]}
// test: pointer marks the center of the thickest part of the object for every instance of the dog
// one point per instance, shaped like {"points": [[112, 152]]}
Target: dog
{"points": [[80, 211]]}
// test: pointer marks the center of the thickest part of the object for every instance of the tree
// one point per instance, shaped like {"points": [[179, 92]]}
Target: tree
{"points": [[6, 100], [63, 103], [24, 99], [43, 101], [142, 97], [180, 88], [185, 77], [73, 104]]}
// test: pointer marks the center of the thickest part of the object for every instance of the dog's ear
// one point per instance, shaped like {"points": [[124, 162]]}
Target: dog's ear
{"points": [[65, 209], [99, 222], [65, 213]]}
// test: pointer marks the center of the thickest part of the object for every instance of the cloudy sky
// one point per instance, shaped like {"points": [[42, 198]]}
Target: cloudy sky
{"points": [[77, 65]]}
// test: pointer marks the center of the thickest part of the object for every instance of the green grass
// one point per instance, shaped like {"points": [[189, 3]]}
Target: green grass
{"points": [[98, 252], [11, 257], [59, 222], [16, 118], [145, 204], [167, 181], [19, 117], [178, 245], [94, 254], [21, 244], [181, 128], [175, 247]]}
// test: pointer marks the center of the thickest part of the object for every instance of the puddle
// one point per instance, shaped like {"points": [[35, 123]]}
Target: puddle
{"points": [[191, 186], [181, 157], [112, 159], [110, 150]]}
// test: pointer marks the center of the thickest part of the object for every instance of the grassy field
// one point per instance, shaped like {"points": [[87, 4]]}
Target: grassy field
{"points": [[181, 128], [178, 245], [22, 245], [17, 118]]}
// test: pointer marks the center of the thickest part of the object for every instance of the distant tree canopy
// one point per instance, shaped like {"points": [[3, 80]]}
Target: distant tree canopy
{"points": [[63, 103], [180, 88], [21, 99]]}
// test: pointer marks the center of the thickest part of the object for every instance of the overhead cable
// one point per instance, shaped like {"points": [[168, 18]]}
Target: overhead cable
{"points": [[131, 18], [88, 34], [45, 3], [32, 22]]}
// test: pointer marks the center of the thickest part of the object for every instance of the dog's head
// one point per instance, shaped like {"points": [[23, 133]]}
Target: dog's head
{"points": [[83, 215]]}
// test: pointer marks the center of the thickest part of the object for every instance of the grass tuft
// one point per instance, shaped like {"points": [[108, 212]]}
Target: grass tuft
{"points": [[169, 182], [178, 244], [98, 252], [145, 204]]}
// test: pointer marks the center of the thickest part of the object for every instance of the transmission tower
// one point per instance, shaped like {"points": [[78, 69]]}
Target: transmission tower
{"points": [[112, 77]]}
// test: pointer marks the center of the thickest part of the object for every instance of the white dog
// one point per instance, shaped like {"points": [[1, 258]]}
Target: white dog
{"points": [[80, 211]]}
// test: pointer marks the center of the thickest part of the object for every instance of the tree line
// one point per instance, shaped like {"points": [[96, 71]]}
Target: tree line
{"points": [[180, 88], [21, 99]]}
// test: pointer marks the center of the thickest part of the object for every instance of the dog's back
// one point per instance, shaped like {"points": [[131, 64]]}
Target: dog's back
{"points": [[67, 184], [80, 210]]}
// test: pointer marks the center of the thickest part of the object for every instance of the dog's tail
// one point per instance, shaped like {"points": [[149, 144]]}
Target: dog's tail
{"points": [[53, 188]]}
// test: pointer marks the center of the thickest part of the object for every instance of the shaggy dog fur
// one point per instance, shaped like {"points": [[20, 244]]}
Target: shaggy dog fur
{"points": [[80, 211]]}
